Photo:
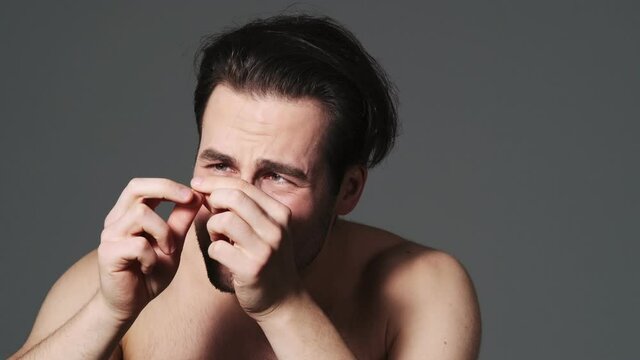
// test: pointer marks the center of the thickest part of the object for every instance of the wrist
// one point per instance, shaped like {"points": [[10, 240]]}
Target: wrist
{"points": [[299, 329], [285, 312], [108, 315]]}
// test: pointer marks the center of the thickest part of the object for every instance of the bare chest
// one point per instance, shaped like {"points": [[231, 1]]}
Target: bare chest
{"points": [[186, 330]]}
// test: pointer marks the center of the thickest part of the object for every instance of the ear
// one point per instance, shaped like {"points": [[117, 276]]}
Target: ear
{"points": [[351, 188]]}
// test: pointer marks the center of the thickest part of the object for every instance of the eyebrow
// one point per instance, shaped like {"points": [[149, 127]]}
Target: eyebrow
{"points": [[281, 168], [211, 154]]}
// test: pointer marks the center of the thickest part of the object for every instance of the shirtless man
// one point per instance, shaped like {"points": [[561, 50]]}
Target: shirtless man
{"points": [[291, 113]]}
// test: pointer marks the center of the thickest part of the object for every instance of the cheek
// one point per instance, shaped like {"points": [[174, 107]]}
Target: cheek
{"points": [[201, 218], [199, 171]]}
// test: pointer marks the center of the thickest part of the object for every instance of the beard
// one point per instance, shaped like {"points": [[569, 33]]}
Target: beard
{"points": [[307, 241]]}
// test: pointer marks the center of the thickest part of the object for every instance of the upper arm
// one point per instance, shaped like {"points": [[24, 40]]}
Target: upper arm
{"points": [[438, 315], [65, 298]]}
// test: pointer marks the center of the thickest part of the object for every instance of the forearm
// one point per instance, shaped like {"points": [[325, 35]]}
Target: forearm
{"points": [[301, 330], [90, 334]]}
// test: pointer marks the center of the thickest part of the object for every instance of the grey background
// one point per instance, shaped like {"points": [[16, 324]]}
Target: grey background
{"points": [[518, 154]]}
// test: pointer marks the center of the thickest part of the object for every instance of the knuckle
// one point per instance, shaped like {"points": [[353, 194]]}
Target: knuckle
{"points": [[139, 210], [214, 249], [274, 236], [236, 196], [167, 184], [133, 183], [215, 224], [226, 219], [221, 221], [138, 244], [284, 215], [267, 252], [163, 181], [211, 226]]}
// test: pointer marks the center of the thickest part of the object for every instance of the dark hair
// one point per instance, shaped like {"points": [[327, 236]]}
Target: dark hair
{"points": [[301, 56]]}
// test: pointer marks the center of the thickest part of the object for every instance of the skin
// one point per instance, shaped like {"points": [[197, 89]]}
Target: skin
{"points": [[299, 282]]}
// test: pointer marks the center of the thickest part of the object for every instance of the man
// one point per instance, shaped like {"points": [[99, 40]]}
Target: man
{"points": [[291, 111]]}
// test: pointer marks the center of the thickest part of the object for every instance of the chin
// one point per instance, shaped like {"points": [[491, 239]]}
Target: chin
{"points": [[219, 275]]}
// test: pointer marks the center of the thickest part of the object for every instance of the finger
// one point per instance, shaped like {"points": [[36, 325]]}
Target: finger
{"points": [[272, 207], [236, 229], [153, 190], [240, 203], [263, 225], [141, 219], [126, 251], [231, 257], [181, 218]]}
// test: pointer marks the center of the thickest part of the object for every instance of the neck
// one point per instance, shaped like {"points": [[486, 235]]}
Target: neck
{"points": [[323, 271]]}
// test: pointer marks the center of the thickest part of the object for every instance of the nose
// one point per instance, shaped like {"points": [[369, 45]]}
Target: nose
{"points": [[246, 176]]}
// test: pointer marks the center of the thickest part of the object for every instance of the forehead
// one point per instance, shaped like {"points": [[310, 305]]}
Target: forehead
{"points": [[248, 125]]}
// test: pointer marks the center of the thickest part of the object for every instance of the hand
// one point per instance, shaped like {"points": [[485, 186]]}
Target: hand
{"points": [[259, 253], [139, 252]]}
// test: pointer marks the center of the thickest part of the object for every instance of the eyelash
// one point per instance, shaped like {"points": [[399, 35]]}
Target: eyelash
{"points": [[277, 178]]}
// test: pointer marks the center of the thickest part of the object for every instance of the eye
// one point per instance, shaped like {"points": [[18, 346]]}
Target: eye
{"points": [[219, 167], [276, 178]]}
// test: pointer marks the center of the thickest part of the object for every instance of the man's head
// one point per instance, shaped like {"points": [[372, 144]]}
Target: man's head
{"points": [[296, 57], [296, 107]]}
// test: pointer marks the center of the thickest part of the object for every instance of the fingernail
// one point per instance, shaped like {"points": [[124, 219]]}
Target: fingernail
{"points": [[196, 181]]}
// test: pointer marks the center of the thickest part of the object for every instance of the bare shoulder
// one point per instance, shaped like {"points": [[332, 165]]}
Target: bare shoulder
{"points": [[67, 295], [433, 307]]}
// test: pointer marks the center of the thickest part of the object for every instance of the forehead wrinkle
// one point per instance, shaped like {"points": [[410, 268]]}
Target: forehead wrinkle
{"points": [[268, 133], [295, 161]]}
